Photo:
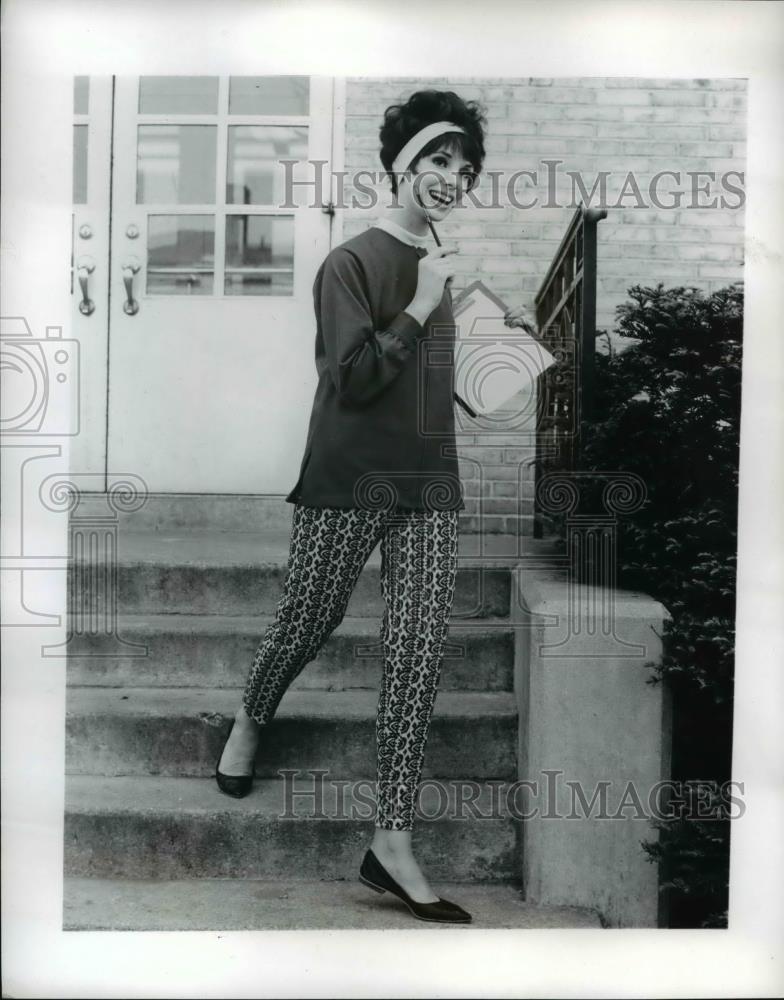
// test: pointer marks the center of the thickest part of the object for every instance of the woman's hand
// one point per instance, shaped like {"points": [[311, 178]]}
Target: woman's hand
{"points": [[521, 316], [435, 270]]}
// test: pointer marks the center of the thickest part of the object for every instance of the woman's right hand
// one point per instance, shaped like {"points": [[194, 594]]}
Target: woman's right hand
{"points": [[435, 270]]}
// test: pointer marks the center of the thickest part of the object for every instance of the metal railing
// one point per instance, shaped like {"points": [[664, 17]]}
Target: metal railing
{"points": [[566, 319]]}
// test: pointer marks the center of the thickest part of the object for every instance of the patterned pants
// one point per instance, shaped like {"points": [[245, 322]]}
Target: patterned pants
{"points": [[329, 547]]}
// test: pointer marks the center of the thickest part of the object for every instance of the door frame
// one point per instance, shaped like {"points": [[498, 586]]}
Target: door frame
{"points": [[88, 448]]}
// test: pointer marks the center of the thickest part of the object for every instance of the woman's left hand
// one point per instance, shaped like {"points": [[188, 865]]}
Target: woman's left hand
{"points": [[520, 316]]}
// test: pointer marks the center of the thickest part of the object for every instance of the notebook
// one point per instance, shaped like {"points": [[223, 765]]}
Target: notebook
{"points": [[493, 362]]}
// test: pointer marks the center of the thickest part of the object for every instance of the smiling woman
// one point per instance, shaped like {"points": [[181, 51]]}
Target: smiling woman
{"points": [[380, 465], [414, 132]]}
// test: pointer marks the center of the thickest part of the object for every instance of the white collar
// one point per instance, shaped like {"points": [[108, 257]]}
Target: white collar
{"points": [[400, 233]]}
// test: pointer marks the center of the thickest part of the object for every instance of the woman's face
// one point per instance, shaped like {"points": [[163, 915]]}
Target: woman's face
{"points": [[438, 181]]}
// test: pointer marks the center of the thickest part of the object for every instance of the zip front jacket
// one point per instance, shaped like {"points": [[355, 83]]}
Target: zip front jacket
{"points": [[381, 431]]}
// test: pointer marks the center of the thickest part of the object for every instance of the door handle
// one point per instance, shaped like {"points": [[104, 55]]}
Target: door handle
{"points": [[129, 269], [84, 268]]}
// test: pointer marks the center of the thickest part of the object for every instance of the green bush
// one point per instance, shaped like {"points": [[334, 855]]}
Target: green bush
{"points": [[668, 408]]}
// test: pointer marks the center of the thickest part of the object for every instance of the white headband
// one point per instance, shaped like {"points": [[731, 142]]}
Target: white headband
{"points": [[418, 141]]}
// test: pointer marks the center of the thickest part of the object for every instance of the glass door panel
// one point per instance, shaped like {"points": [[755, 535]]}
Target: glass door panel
{"points": [[256, 174], [180, 254], [80, 140], [269, 95], [175, 164], [259, 255], [178, 95]]}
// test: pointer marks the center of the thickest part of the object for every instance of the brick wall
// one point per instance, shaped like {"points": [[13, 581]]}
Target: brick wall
{"points": [[619, 125]]}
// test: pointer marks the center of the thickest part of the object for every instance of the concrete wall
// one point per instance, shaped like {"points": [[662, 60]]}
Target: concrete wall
{"points": [[592, 125], [588, 717]]}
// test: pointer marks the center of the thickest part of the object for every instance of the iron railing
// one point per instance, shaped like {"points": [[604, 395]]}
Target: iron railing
{"points": [[566, 319]]}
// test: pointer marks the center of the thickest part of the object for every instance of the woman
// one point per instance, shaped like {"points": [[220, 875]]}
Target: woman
{"points": [[377, 467]]}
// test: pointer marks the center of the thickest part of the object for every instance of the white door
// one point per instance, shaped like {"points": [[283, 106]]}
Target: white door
{"points": [[90, 224], [211, 329]]}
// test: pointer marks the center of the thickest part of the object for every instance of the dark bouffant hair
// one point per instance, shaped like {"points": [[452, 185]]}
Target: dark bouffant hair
{"points": [[401, 121]]}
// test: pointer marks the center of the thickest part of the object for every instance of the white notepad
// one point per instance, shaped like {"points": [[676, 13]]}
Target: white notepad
{"points": [[493, 362]]}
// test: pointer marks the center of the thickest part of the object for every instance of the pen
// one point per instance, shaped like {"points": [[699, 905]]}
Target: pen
{"points": [[432, 229], [462, 402]]}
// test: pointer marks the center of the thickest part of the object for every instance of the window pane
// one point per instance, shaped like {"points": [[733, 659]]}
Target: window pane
{"points": [[259, 283], [81, 95], [80, 164], [254, 175], [178, 95], [180, 254], [259, 255], [269, 95], [175, 164]]}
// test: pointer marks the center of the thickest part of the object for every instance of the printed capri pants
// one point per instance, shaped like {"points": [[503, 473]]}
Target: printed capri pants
{"points": [[329, 547]]}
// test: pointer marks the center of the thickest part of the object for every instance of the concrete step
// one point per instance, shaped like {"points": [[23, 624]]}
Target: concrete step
{"points": [[254, 905], [243, 573], [233, 512], [167, 512], [217, 651], [180, 732], [175, 828]]}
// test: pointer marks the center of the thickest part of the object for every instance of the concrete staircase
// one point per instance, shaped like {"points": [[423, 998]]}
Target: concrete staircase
{"points": [[150, 843]]}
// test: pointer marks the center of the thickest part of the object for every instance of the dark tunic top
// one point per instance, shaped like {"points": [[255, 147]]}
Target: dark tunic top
{"points": [[381, 431]]}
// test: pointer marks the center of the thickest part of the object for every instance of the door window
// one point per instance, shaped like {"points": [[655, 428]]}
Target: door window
{"points": [[209, 157], [180, 254], [81, 107]]}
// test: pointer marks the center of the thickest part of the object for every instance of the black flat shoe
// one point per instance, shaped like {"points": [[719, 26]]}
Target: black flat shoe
{"points": [[373, 874], [237, 786]]}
